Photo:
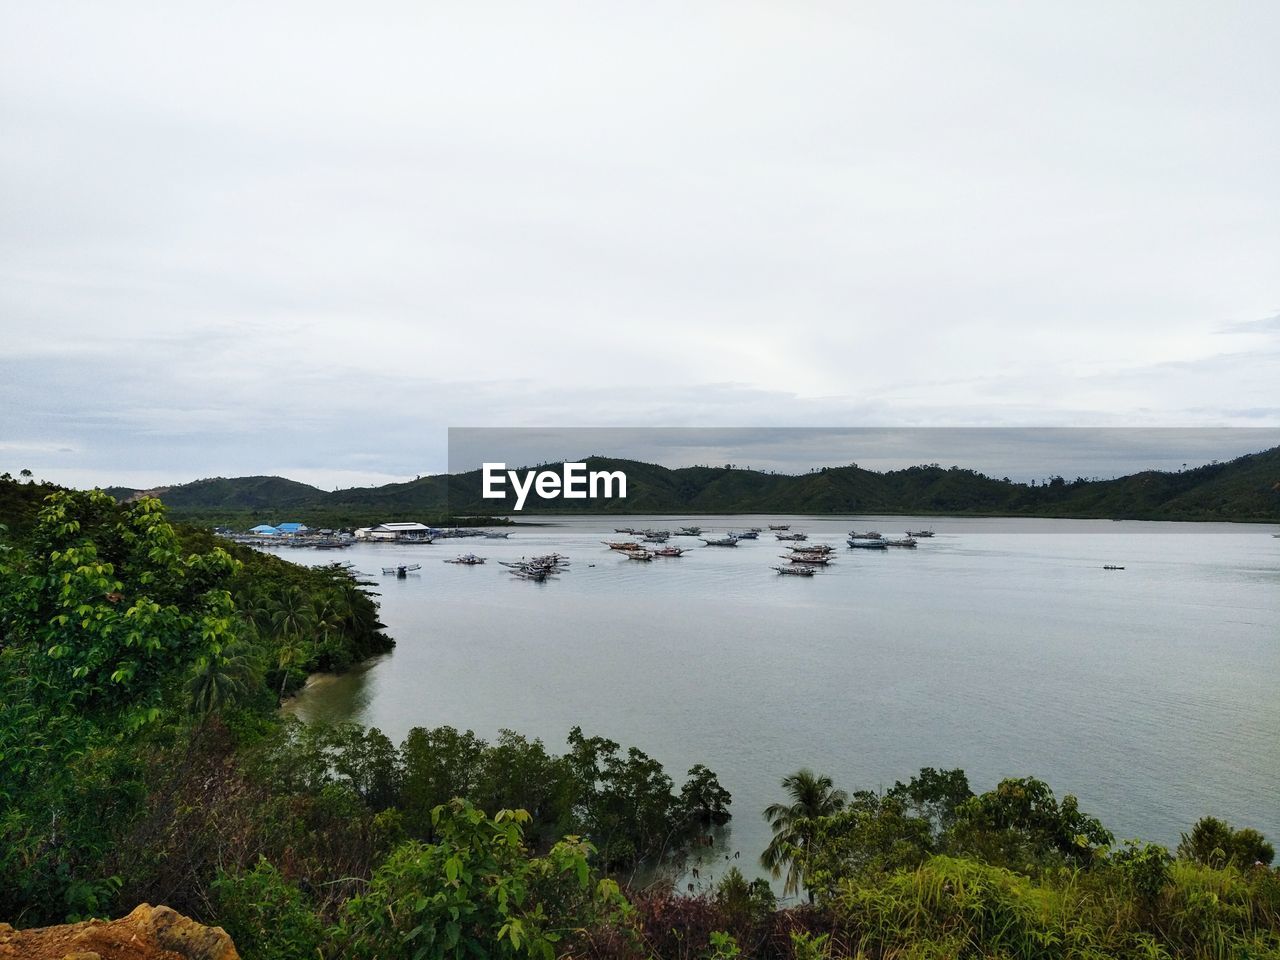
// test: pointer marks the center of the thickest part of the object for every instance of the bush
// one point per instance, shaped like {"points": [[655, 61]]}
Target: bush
{"points": [[268, 917]]}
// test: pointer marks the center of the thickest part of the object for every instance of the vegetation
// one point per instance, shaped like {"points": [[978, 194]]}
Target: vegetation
{"points": [[1245, 489], [143, 757]]}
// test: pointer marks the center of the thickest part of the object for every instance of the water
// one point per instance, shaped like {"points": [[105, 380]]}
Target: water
{"points": [[999, 646]]}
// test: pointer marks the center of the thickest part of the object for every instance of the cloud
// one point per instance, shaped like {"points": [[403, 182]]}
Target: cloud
{"points": [[305, 238]]}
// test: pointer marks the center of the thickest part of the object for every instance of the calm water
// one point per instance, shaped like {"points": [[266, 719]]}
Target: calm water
{"points": [[999, 646]]}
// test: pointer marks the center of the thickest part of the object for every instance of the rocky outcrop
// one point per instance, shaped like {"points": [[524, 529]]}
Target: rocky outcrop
{"points": [[149, 933]]}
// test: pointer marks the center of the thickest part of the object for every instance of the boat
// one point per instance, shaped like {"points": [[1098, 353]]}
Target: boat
{"points": [[920, 533], [904, 542], [868, 544], [467, 560], [690, 531], [1111, 566], [730, 541], [669, 552], [793, 536], [869, 535], [641, 554], [747, 535], [817, 548], [657, 538], [402, 570], [496, 535], [627, 530], [779, 526], [816, 559], [796, 571], [621, 544]]}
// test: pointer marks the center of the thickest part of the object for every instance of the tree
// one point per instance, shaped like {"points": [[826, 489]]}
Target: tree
{"points": [[811, 797], [219, 679], [476, 892], [1215, 843]]}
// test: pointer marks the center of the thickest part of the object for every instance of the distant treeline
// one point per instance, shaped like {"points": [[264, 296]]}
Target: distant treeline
{"points": [[1244, 489]]}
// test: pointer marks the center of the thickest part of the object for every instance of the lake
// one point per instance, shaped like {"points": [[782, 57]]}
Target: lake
{"points": [[1000, 646]]}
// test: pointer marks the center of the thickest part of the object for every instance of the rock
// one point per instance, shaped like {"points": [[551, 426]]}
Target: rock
{"points": [[148, 933]]}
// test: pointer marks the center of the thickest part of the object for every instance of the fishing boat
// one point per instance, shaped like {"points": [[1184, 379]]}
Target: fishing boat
{"points": [[641, 554], [1111, 566], [796, 571], [496, 534], [690, 531], [467, 560], [793, 536], [904, 542], [920, 533], [815, 559], [669, 552], [869, 535], [657, 538], [817, 548], [747, 535], [402, 570], [868, 544], [621, 544], [627, 530], [779, 526], [730, 541]]}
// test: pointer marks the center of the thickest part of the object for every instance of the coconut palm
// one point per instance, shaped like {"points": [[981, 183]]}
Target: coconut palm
{"points": [[220, 678], [811, 797]]}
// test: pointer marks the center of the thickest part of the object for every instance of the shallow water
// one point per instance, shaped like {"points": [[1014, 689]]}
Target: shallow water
{"points": [[1000, 646]]}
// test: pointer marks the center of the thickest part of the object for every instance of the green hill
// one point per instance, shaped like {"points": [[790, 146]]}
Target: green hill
{"points": [[1245, 489]]}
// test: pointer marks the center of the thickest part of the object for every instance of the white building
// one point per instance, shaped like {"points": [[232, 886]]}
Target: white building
{"points": [[403, 532]]}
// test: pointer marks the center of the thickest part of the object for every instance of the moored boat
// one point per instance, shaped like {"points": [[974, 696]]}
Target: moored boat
{"points": [[621, 544], [920, 533], [779, 526], [815, 559], [729, 541], [467, 560], [800, 571], [793, 536], [868, 544]]}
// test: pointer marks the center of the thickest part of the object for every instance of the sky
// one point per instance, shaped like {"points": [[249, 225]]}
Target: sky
{"points": [[306, 239]]}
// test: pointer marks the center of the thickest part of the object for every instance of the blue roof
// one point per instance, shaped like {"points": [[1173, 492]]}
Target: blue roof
{"points": [[290, 527], [264, 528]]}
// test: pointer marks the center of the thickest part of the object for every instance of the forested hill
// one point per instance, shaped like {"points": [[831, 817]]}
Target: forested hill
{"points": [[1245, 489]]}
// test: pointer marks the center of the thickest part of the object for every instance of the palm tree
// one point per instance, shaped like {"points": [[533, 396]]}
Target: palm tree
{"points": [[219, 679], [811, 797]]}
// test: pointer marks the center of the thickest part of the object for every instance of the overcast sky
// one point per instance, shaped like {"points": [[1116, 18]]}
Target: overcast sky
{"points": [[307, 238]]}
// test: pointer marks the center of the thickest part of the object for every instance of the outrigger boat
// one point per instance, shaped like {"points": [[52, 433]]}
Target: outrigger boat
{"points": [[1111, 566], [816, 559], [694, 531], [627, 530], [621, 544], [467, 560], [868, 544], [822, 549], [779, 526], [905, 542], [641, 554], [869, 535], [657, 538], [669, 552], [793, 536], [920, 533], [747, 535], [729, 541], [402, 570], [796, 571]]}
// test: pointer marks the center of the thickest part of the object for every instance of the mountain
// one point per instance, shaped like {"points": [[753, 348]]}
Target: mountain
{"points": [[1245, 489]]}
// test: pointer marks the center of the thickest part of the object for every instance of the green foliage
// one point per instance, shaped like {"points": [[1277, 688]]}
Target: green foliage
{"points": [[811, 797], [1216, 843], [1146, 867], [476, 892], [724, 946], [1020, 822], [268, 917]]}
